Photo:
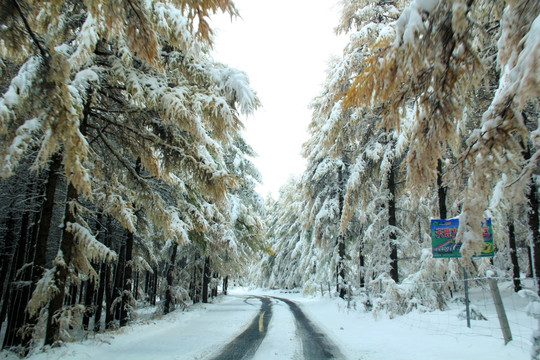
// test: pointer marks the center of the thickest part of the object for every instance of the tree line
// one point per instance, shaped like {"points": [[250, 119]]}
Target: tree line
{"points": [[430, 113], [125, 176]]}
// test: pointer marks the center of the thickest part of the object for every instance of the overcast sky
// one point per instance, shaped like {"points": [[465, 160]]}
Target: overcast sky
{"points": [[284, 47]]}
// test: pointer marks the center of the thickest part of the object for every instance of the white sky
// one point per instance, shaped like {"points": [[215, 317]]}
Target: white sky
{"points": [[284, 47]]}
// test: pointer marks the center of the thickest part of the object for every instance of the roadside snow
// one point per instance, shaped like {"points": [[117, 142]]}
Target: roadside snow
{"points": [[204, 329]]}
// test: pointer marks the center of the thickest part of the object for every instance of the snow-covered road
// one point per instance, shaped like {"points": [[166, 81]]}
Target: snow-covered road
{"points": [[210, 334], [205, 330], [303, 340]]}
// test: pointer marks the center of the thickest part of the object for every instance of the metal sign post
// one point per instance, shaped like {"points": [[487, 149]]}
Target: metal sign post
{"points": [[443, 236], [467, 307]]}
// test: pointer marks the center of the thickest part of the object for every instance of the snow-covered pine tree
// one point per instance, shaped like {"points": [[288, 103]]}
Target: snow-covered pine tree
{"points": [[356, 134], [435, 55], [324, 182], [143, 81], [290, 262]]}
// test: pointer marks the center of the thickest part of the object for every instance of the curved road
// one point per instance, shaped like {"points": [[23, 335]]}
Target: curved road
{"points": [[315, 344]]}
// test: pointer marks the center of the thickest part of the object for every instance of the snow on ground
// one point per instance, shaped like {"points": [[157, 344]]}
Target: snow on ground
{"points": [[201, 331], [419, 335]]}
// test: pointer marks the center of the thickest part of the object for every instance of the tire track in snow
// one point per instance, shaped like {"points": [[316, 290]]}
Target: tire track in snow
{"points": [[245, 345], [315, 345]]}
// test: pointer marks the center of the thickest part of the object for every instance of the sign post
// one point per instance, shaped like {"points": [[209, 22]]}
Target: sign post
{"points": [[467, 305], [444, 245]]}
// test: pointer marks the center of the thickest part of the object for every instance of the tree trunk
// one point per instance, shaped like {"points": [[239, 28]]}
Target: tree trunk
{"points": [[7, 255], [43, 225], [127, 285], [441, 191], [155, 288], [62, 262], [168, 306], [513, 254], [109, 291], [136, 286], [118, 284], [19, 287], [362, 264], [341, 287], [104, 274], [394, 271], [340, 270], [128, 271], [206, 279], [225, 285], [148, 285], [72, 297], [214, 292], [88, 303], [534, 228], [194, 285], [46, 219], [104, 269]]}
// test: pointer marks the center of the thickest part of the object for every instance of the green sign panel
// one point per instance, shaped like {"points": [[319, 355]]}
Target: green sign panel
{"points": [[443, 237]]}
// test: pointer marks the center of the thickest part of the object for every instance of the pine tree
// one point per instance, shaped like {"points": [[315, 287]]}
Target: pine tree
{"points": [[104, 88], [437, 43]]}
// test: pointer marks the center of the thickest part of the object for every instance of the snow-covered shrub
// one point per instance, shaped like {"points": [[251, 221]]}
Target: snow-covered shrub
{"points": [[310, 288]]}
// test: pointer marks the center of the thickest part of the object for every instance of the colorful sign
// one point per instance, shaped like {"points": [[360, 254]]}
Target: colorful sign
{"points": [[443, 237]]}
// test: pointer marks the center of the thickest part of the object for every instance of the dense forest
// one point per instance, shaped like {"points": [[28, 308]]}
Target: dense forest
{"points": [[126, 177], [431, 113], [126, 180]]}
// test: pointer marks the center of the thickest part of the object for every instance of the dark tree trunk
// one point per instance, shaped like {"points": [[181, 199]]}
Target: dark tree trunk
{"points": [[441, 191], [155, 288], [9, 247], [168, 306], [118, 283], [127, 285], [340, 271], [340, 241], [81, 290], [43, 226], [67, 247], [206, 279], [109, 297], [111, 280], [46, 219], [19, 288], [195, 286], [531, 262], [104, 277], [513, 254], [136, 286], [534, 226], [362, 264], [72, 298], [88, 303], [225, 285], [147, 284], [214, 292], [7, 255], [127, 282], [394, 271], [25, 257], [104, 269]]}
